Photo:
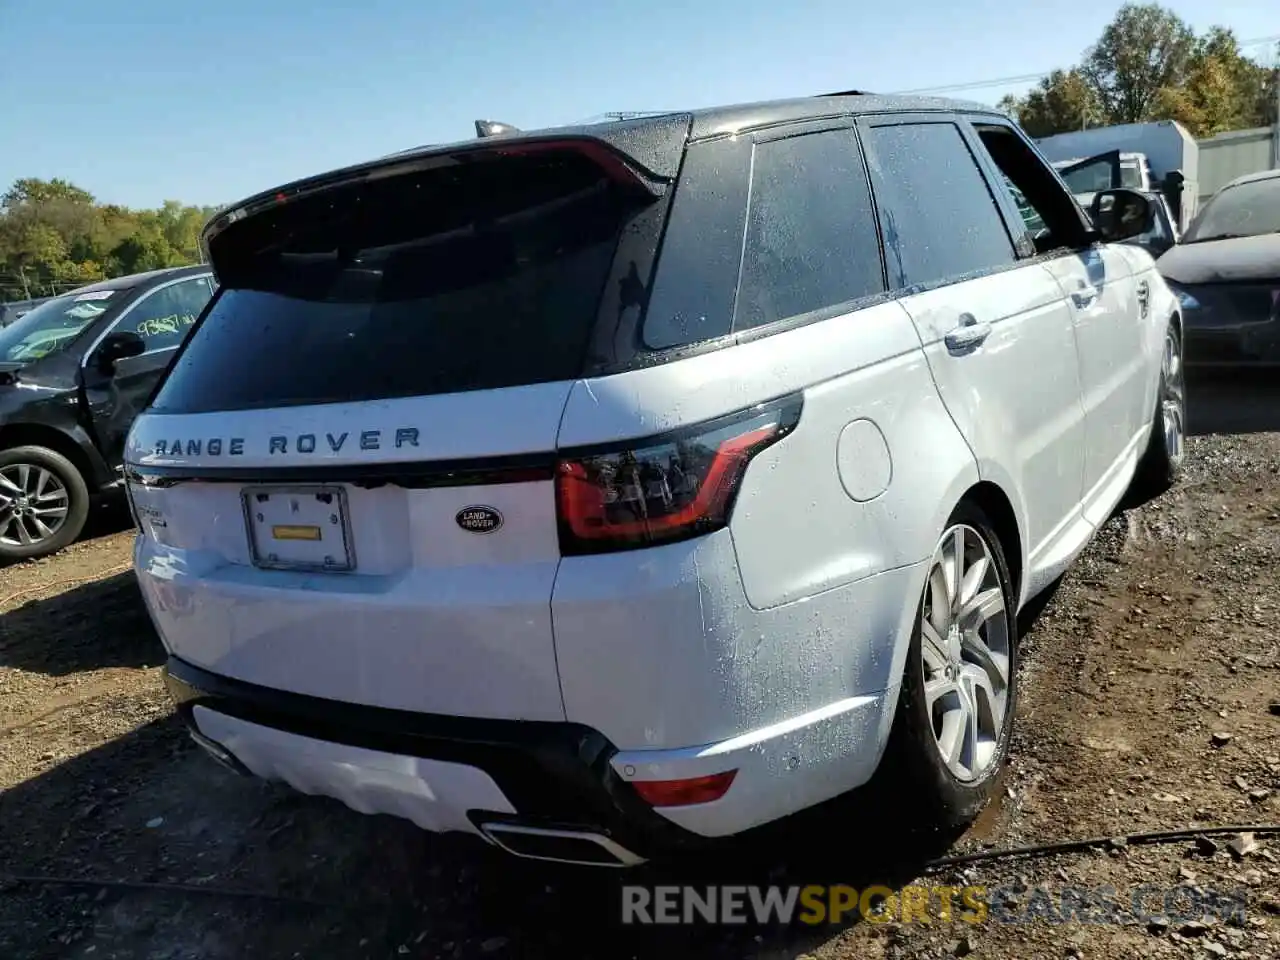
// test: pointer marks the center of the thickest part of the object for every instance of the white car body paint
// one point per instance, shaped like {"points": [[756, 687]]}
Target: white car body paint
{"points": [[774, 647]]}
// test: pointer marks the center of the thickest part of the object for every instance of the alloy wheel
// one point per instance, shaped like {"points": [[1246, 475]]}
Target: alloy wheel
{"points": [[1173, 407], [33, 504], [965, 651]]}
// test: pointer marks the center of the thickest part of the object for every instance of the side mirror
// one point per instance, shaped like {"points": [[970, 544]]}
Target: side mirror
{"points": [[1121, 214], [118, 346]]}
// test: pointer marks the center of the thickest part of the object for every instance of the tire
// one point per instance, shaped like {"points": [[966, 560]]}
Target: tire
{"points": [[1161, 462], [63, 497], [950, 794]]}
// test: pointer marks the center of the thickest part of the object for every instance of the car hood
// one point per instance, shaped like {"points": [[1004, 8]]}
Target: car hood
{"points": [[1223, 261]]}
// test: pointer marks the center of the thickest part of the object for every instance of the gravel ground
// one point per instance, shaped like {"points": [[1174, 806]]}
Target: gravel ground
{"points": [[1148, 687]]}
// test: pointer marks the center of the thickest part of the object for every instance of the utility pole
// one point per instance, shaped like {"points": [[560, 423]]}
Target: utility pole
{"points": [[1275, 126], [26, 291]]}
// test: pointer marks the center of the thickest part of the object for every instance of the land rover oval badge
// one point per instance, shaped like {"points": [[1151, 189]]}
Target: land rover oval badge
{"points": [[479, 519]]}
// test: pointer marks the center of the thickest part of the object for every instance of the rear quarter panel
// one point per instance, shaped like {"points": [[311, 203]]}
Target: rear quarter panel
{"points": [[806, 599]]}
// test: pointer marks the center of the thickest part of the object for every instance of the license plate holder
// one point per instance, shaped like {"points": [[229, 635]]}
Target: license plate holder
{"points": [[299, 528]]}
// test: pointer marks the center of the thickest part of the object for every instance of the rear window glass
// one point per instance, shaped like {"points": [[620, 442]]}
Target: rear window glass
{"points": [[472, 276]]}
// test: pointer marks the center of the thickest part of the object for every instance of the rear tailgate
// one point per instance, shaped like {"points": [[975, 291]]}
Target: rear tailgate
{"points": [[345, 483]]}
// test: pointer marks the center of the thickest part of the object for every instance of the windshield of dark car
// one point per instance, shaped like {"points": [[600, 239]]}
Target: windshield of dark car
{"points": [[52, 326], [1245, 210]]}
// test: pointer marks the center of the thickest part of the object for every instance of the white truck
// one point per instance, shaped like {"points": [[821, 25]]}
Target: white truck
{"points": [[1159, 157]]}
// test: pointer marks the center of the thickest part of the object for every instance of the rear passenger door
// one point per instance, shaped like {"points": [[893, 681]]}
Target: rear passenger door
{"points": [[996, 328]]}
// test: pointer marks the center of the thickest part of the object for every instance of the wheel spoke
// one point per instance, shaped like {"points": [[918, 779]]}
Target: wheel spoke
{"points": [[953, 565], [49, 512], [955, 732], [24, 536], [985, 606], [42, 480], [937, 688], [939, 603], [9, 487], [972, 581], [43, 530], [994, 666], [932, 646], [988, 706]]}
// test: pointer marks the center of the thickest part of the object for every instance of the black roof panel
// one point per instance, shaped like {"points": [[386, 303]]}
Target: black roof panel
{"points": [[654, 142]]}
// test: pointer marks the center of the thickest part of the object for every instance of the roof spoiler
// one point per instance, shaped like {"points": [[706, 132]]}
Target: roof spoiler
{"points": [[848, 93], [494, 128]]}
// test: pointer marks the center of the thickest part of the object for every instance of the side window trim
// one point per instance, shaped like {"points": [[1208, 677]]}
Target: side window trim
{"points": [[971, 122], [1023, 244], [124, 314], [958, 122]]}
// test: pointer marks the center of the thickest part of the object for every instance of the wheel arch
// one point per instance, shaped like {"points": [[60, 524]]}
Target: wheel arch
{"points": [[992, 500], [41, 435]]}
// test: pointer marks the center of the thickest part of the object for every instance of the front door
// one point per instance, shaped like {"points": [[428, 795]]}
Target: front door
{"points": [[1098, 282], [162, 318]]}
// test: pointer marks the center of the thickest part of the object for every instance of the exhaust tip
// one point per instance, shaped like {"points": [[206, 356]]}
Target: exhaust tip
{"points": [[579, 847], [220, 753]]}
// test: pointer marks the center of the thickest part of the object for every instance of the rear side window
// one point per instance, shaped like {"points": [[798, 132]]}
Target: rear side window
{"points": [[937, 214], [468, 276], [697, 272], [811, 237]]}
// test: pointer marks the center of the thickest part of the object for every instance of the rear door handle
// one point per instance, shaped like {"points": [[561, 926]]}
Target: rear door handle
{"points": [[1084, 297], [968, 335]]}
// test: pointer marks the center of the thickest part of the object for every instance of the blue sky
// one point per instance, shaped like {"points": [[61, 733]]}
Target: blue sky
{"points": [[143, 101]]}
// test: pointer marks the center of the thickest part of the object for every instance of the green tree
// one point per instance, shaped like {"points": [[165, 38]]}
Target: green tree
{"points": [[54, 236], [1062, 101], [31, 190], [1148, 64], [1145, 49]]}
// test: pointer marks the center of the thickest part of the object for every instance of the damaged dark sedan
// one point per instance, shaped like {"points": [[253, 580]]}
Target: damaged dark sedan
{"points": [[1226, 273]]}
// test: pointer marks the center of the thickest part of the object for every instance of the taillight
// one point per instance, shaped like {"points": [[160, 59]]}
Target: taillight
{"points": [[133, 509], [684, 793], [666, 488]]}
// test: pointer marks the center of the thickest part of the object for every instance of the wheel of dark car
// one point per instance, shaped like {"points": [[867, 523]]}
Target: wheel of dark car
{"points": [[955, 711], [43, 502], [1161, 464]]}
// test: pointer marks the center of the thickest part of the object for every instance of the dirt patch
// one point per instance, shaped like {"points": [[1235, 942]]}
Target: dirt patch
{"points": [[1145, 705]]}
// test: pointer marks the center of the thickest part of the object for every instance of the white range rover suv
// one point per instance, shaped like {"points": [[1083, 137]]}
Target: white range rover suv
{"points": [[605, 489]]}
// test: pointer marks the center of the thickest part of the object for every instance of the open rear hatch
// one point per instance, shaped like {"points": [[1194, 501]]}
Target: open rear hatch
{"points": [[345, 481]]}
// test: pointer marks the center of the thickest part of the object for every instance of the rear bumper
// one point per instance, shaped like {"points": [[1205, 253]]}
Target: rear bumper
{"points": [[444, 773], [459, 774]]}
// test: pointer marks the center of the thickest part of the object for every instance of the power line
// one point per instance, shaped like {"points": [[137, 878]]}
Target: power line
{"points": [[1034, 77]]}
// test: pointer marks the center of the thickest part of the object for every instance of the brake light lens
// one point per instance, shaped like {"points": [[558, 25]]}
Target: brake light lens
{"points": [[666, 488]]}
